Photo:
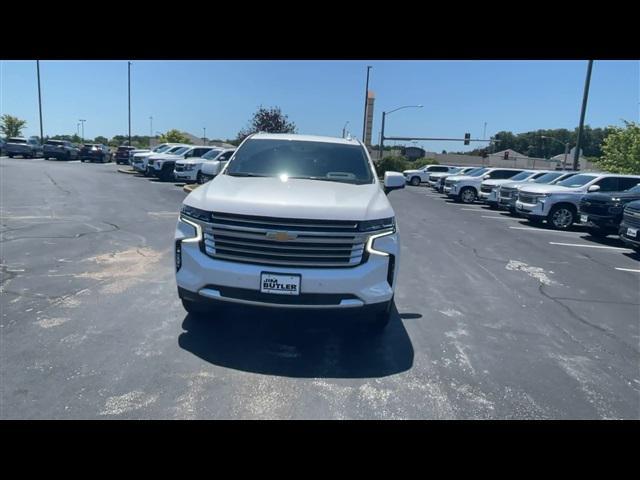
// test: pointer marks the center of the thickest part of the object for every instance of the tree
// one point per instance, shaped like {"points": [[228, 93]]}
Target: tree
{"points": [[174, 136], [102, 140], [11, 126], [621, 150], [270, 120]]}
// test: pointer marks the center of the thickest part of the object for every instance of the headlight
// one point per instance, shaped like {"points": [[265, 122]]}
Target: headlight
{"points": [[377, 244], [189, 166], [372, 225], [196, 213]]}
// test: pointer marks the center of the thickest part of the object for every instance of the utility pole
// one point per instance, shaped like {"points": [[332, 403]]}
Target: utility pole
{"points": [[150, 130], [82, 122], [40, 102], [366, 97], [344, 129], [129, 82], [204, 135], [484, 133], [576, 154], [382, 135]]}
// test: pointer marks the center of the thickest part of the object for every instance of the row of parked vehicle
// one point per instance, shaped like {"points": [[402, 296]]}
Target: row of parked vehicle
{"points": [[604, 203], [176, 161], [56, 149]]}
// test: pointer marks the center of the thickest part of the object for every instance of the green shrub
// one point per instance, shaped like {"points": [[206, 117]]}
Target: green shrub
{"points": [[392, 164]]}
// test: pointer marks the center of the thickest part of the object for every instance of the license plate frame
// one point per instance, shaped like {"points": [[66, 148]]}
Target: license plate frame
{"points": [[584, 218], [632, 232], [290, 283]]}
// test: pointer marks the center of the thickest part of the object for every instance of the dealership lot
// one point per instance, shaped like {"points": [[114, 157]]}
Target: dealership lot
{"points": [[495, 318]]}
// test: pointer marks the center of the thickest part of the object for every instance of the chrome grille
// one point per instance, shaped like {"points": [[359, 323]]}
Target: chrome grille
{"points": [[527, 198], [507, 193], [485, 188], [311, 243], [631, 217], [179, 168]]}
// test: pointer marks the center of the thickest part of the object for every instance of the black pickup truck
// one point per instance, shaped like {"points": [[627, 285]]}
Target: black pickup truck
{"points": [[602, 212], [629, 230]]}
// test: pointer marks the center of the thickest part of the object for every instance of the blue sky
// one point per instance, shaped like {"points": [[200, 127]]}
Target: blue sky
{"points": [[320, 96]]}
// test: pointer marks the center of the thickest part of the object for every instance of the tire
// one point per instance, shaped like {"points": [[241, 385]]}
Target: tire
{"points": [[166, 175], [415, 181], [200, 179], [561, 217], [467, 195], [380, 317], [598, 233], [147, 172], [535, 221], [195, 308]]}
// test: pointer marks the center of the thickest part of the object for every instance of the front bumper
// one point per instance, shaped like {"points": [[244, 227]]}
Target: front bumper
{"points": [[451, 190], [508, 203], [623, 233], [608, 222], [490, 198], [188, 175], [348, 287], [532, 210]]}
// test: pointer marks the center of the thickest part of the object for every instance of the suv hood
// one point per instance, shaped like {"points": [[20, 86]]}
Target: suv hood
{"points": [[195, 161], [295, 198], [542, 188], [462, 177], [493, 183], [407, 172], [165, 156], [609, 196]]}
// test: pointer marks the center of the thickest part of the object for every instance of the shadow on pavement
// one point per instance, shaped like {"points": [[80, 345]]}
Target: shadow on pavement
{"points": [[297, 344]]}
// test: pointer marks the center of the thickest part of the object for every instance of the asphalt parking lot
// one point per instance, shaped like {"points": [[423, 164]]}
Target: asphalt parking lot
{"points": [[496, 319]]}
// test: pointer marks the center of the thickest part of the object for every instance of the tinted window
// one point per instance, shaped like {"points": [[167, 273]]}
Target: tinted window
{"points": [[438, 169], [300, 159], [477, 173], [502, 174], [521, 176], [609, 184], [547, 177], [626, 182], [17, 140], [211, 154], [576, 181], [54, 142]]}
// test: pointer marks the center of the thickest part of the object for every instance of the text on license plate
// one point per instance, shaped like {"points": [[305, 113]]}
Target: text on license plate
{"points": [[279, 283], [584, 218], [632, 232]]}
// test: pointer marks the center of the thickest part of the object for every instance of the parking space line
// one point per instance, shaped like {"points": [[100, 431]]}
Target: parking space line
{"points": [[628, 269], [500, 218], [478, 209], [545, 231], [591, 246]]}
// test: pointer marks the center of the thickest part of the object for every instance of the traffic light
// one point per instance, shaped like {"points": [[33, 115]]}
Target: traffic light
{"points": [[467, 137]]}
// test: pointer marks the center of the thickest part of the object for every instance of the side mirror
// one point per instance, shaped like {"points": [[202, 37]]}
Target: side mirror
{"points": [[393, 181], [593, 188], [486, 177]]}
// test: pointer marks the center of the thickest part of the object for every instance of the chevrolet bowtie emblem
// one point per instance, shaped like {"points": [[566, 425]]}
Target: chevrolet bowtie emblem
{"points": [[281, 236]]}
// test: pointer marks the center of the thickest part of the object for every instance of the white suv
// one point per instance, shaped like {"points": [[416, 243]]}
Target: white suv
{"points": [[421, 175], [293, 222], [489, 188], [139, 162], [558, 204], [191, 169], [465, 188]]}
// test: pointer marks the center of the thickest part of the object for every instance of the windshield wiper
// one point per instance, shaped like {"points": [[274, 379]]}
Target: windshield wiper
{"points": [[245, 174]]}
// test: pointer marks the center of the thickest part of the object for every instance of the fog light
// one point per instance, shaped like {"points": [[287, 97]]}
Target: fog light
{"points": [[178, 254]]}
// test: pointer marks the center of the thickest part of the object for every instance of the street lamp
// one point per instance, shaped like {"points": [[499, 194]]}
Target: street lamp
{"points": [[344, 128], [566, 149], [384, 114], [82, 122], [204, 135]]}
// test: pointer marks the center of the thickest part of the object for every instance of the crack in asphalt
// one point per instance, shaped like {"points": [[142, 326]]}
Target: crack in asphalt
{"points": [[56, 184], [77, 235]]}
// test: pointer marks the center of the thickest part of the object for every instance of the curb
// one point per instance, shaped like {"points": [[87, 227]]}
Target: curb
{"points": [[130, 171]]}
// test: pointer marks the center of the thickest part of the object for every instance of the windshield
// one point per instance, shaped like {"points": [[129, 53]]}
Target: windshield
{"points": [[161, 149], [521, 176], [211, 154], [173, 150], [54, 142], [17, 140], [576, 181], [548, 177], [301, 159], [477, 173], [180, 150]]}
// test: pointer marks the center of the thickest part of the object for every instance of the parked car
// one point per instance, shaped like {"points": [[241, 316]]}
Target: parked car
{"points": [[508, 192], [162, 166], [253, 234], [421, 175], [122, 154], [60, 150], [630, 226], [489, 188], [601, 212], [465, 188], [140, 160], [441, 177], [558, 204], [434, 178], [203, 169], [91, 152], [24, 147]]}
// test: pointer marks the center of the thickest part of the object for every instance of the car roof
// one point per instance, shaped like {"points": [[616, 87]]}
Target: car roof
{"points": [[305, 138]]}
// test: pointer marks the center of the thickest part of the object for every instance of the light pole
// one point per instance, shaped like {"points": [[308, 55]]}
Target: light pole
{"points": [[82, 122], [587, 81], [150, 130], [344, 128], [129, 83], [566, 149], [78, 129], [366, 100], [204, 135], [40, 101], [484, 132], [384, 114]]}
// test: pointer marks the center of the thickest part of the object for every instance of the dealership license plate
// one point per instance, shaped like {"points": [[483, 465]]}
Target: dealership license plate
{"points": [[584, 218], [279, 284], [632, 232]]}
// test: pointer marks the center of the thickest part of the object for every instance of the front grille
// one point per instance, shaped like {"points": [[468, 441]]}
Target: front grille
{"points": [[595, 207], [527, 198], [313, 243], [449, 183], [631, 217], [179, 168], [507, 193], [485, 188]]}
